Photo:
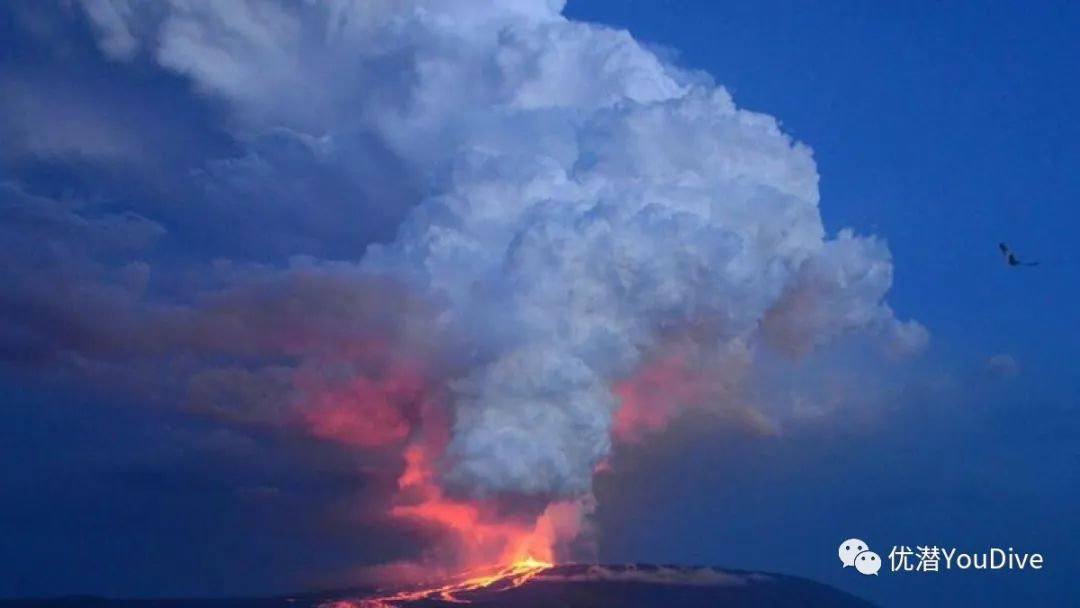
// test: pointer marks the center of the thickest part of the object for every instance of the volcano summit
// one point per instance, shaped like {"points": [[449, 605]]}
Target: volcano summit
{"points": [[631, 586]]}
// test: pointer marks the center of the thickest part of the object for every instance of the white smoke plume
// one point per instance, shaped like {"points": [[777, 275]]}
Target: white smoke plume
{"points": [[579, 199]]}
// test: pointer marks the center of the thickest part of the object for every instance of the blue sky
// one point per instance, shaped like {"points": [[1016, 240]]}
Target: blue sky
{"points": [[945, 128], [161, 192]]}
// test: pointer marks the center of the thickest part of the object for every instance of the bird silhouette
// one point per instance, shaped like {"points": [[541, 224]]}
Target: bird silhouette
{"points": [[1010, 257]]}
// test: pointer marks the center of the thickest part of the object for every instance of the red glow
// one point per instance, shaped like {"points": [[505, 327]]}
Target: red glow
{"points": [[398, 409], [496, 554], [481, 538], [365, 412], [653, 396]]}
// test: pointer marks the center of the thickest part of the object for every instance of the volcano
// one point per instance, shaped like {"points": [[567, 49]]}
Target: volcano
{"points": [[537, 585]]}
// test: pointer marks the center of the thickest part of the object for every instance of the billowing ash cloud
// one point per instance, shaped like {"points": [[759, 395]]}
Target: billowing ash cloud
{"points": [[570, 200]]}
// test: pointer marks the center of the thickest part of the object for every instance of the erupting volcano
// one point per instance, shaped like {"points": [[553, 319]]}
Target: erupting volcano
{"points": [[531, 584], [505, 538], [517, 245]]}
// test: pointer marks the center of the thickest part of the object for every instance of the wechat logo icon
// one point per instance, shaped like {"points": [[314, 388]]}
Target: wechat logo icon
{"points": [[854, 552]]}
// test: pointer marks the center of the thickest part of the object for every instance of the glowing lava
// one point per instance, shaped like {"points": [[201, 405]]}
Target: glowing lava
{"points": [[477, 533], [527, 548], [502, 579]]}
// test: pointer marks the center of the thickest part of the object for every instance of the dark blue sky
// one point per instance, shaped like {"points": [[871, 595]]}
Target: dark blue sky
{"points": [[943, 127]]}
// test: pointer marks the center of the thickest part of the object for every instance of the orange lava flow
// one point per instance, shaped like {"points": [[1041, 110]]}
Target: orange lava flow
{"points": [[508, 577]]}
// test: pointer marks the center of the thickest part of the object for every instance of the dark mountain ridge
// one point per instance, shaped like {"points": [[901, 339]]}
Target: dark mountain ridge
{"points": [[563, 586]]}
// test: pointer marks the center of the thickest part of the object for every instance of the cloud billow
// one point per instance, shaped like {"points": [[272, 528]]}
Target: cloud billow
{"points": [[570, 208]]}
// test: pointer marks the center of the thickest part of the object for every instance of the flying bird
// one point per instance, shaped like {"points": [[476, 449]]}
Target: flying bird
{"points": [[1010, 257]]}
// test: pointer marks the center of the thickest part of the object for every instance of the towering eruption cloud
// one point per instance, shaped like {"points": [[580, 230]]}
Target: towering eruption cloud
{"points": [[590, 240]]}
